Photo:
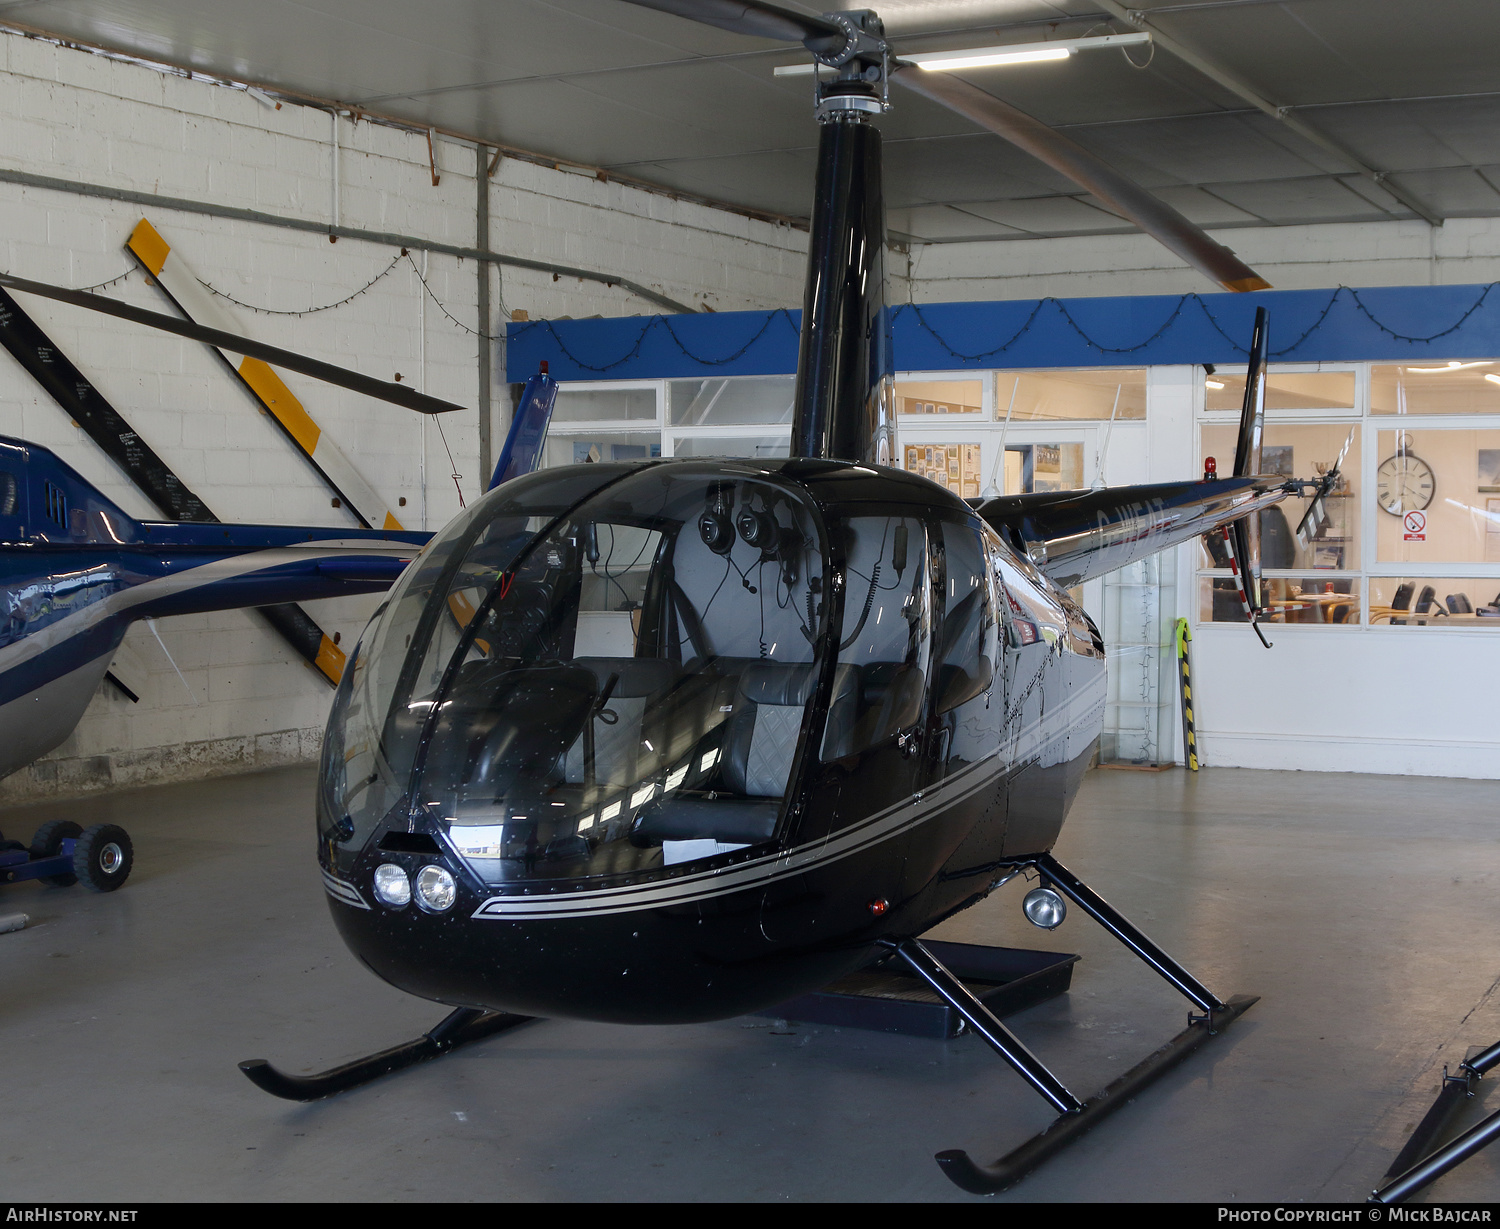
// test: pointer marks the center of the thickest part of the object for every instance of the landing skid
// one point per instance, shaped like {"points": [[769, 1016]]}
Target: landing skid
{"points": [[1418, 1165], [458, 1028], [1075, 1116]]}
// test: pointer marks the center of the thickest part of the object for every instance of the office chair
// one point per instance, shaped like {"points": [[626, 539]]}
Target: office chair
{"points": [[1427, 602]]}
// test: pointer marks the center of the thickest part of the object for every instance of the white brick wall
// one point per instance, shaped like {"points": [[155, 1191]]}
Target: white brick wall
{"points": [[81, 117]]}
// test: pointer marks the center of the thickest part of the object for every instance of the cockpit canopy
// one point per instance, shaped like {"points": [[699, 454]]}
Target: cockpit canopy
{"points": [[576, 684], [611, 670]]}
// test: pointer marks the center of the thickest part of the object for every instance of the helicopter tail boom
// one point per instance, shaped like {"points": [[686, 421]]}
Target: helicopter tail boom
{"points": [[1074, 536]]}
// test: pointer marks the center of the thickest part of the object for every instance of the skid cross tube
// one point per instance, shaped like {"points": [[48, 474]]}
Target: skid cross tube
{"points": [[1115, 922], [1074, 1117], [984, 1022], [458, 1028], [1413, 1167]]}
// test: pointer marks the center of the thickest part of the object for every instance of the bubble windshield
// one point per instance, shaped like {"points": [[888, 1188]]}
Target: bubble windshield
{"points": [[616, 688]]}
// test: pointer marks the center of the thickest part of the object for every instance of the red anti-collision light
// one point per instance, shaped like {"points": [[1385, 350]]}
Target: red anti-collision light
{"points": [[879, 907], [1210, 469]]}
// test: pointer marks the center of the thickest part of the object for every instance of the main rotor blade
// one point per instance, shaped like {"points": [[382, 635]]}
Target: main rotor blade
{"points": [[753, 17], [397, 394], [1124, 196]]}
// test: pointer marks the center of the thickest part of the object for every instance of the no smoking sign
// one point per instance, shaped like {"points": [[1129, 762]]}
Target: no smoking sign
{"points": [[1416, 526]]}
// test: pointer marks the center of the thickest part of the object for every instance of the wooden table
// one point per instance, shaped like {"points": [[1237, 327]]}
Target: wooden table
{"points": [[1318, 603]]}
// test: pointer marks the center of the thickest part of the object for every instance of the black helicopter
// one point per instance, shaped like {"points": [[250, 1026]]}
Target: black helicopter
{"points": [[678, 740]]}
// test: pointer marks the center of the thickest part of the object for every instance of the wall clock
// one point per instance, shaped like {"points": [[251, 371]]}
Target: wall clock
{"points": [[1404, 483]]}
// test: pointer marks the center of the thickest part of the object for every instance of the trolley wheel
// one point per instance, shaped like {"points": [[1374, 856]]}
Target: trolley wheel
{"points": [[47, 843], [102, 858]]}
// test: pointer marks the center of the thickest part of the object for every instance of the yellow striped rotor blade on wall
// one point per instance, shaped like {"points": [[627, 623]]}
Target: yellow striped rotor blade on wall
{"points": [[195, 301]]}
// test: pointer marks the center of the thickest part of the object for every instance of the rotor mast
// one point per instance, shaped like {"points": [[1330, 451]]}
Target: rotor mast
{"points": [[844, 403]]}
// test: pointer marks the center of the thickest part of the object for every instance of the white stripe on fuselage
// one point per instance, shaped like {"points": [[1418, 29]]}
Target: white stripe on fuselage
{"points": [[187, 579]]}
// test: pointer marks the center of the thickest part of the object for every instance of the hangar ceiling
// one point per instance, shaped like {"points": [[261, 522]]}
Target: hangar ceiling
{"points": [[1408, 92]]}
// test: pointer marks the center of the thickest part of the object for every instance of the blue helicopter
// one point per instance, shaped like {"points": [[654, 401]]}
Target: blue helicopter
{"points": [[76, 571]]}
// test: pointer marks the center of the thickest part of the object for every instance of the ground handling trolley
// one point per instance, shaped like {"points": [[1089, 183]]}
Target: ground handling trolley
{"points": [[63, 854]]}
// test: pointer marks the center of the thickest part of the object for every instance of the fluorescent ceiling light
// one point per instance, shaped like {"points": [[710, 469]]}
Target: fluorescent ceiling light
{"points": [[1213, 383], [1492, 377], [985, 57], [949, 61], [1453, 365]]}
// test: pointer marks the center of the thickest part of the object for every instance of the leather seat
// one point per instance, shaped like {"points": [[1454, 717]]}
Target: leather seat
{"points": [[755, 764], [619, 748], [762, 739]]}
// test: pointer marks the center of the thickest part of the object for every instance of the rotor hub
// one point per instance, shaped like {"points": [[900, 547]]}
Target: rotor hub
{"points": [[864, 38], [862, 86]]}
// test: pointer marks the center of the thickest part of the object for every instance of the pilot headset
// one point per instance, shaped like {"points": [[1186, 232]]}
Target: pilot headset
{"points": [[714, 524], [758, 527]]}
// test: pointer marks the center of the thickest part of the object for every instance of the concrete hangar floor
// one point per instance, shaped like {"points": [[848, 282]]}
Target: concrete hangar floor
{"points": [[1363, 910]]}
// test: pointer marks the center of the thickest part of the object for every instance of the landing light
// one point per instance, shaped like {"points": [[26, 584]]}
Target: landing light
{"points": [[392, 887], [1045, 908], [436, 890]]}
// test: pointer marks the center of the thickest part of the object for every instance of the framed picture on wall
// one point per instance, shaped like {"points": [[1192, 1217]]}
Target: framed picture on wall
{"points": [[1276, 459], [1489, 469]]}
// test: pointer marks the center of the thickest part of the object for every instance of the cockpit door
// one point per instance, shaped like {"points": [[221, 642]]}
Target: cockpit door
{"points": [[968, 706]]}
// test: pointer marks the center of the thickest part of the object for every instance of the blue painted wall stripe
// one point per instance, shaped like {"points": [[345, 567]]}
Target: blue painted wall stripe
{"points": [[1391, 323]]}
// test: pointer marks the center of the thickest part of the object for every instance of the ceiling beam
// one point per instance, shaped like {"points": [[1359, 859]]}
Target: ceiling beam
{"points": [[1283, 114]]}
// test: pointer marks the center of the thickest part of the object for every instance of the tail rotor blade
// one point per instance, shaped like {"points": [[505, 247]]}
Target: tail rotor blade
{"points": [[1246, 531], [1343, 452], [1067, 157]]}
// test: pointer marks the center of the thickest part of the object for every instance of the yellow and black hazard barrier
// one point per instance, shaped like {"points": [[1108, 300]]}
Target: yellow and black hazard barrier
{"points": [[1189, 737]]}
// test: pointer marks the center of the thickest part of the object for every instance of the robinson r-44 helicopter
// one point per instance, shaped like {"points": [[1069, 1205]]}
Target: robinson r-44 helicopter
{"points": [[674, 741], [678, 740]]}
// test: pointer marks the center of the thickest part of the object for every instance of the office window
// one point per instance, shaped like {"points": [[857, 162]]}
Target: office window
{"points": [[604, 404], [1301, 450], [1457, 386], [1428, 601], [1437, 495], [1118, 393], [730, 402], [940, 397], [1327, 391]]}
